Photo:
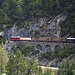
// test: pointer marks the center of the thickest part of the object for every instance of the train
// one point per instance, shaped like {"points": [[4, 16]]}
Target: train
{"points": [[42, 39], [18, 38]]}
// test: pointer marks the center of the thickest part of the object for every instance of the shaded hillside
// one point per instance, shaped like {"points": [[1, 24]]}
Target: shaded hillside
{"points": [[68, 26]]}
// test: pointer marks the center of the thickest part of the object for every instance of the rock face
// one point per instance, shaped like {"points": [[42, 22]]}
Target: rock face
{"points": [[10, 47], [37, 28]]}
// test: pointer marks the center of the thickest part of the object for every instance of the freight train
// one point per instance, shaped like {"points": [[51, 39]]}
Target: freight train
{"points": [[42, 39]]}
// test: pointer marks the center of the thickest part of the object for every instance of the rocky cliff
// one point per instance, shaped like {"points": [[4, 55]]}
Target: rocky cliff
{"points": [[44, 27], [35, 28]]}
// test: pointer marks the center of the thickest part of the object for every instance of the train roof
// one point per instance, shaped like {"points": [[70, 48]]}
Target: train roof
{"points": [[15, 36], [70, 38]]}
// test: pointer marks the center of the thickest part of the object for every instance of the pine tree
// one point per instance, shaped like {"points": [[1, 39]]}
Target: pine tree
{"points": [[17, 65], [67, 67], [3, 59], [32, 67]]}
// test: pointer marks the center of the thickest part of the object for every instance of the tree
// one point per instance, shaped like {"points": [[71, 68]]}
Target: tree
{"points": [[1, 2], [3, 59], [67, 67], [32, 67], [27, 50], [47, 72], [17, 65]]}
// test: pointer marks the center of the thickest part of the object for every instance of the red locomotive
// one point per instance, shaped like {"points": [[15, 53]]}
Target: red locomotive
{"points": [[18, 38], [14, 38]]}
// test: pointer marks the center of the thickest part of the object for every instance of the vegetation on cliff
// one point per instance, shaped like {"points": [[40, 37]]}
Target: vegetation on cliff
{"points": [[18, 65], [17, 11]]}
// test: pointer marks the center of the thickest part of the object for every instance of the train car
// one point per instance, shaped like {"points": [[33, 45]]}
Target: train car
{"points": [[70, 40], [43, 39], [58, 39], [25, 39], [15, 38]]}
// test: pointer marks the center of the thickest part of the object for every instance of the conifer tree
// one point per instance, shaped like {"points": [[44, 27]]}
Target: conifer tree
{"points": [[17, 65], [3, 59], [32, 67]]}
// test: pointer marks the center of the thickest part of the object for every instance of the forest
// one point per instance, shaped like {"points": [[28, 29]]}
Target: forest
{"points": [[16, 64]]}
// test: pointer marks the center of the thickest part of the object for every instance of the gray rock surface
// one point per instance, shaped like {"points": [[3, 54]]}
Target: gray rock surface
{"points": [[37, 28], [10, 47]]}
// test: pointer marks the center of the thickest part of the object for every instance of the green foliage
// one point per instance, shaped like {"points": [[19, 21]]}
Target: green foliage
{"points": [[32, 66], [25, 50], [68, 25], [1, 2], [67, 68], [59, 53], [3, 59], [17, 65], [2, 40], [47, 72], [12, 11], [37, 8]]}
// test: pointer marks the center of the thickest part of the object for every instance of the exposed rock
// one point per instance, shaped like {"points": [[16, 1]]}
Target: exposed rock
{"points": [[53, 28], [13, 30], [10, 47], [22, 32], [54, 62], [37, 28]]}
